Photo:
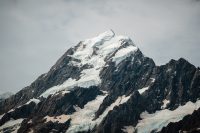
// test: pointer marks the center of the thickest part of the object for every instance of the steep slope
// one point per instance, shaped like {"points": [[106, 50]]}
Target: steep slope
{"points": [[104, 84]]}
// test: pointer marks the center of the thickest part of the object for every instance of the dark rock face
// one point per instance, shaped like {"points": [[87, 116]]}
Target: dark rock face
{"points": [[39, 125], [128, 78], [177, 82], [54, 105], [125, 114], [173, 81], [21, 112], [64, 104], [60, 72]]}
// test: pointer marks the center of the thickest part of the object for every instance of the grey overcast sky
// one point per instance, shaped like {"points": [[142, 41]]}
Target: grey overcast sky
{"points": [[35, 33]]}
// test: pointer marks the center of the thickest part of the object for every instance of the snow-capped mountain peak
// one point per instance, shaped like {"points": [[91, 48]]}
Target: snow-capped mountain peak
{"points": [[95, 53], [106, 85], [102, 46]]}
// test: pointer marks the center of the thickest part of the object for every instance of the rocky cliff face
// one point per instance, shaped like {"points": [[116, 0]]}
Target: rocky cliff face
{"points": [[105, 84]]}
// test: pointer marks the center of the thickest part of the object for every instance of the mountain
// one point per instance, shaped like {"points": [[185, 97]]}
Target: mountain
{"points": [[106, 85]]}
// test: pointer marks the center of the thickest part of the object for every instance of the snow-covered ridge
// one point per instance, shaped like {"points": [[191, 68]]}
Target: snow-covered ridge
{"points": [[95, 52]]}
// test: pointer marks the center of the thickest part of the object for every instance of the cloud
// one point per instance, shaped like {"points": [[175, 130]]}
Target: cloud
{"points": [[34, 34]]}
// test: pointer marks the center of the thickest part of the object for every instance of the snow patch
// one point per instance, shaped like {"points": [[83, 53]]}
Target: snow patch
{"points": [[65, 92], [143, 90], [59, 119], [169, 69], [128, 129], [76, 107], [162, 118], [30, 121], [152, 80], [120, 100], [85, 81], [124, 53], [74, 63], [11, 110], [165, 102], [36, 101]]}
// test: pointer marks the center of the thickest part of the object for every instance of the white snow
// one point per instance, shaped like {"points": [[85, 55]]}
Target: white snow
{"points": [[165, 102], [11, 123], [152, 80], [162, 118], [76, 107], [143, 90], [11, 110], [124, 53], [118, 101], [82, 120], [74, 63], [65, 92], [85, 81], [60, 119], [169, 70], [88, 112], [128, 129], [93, 52], [30, 121], [33, 100]]}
